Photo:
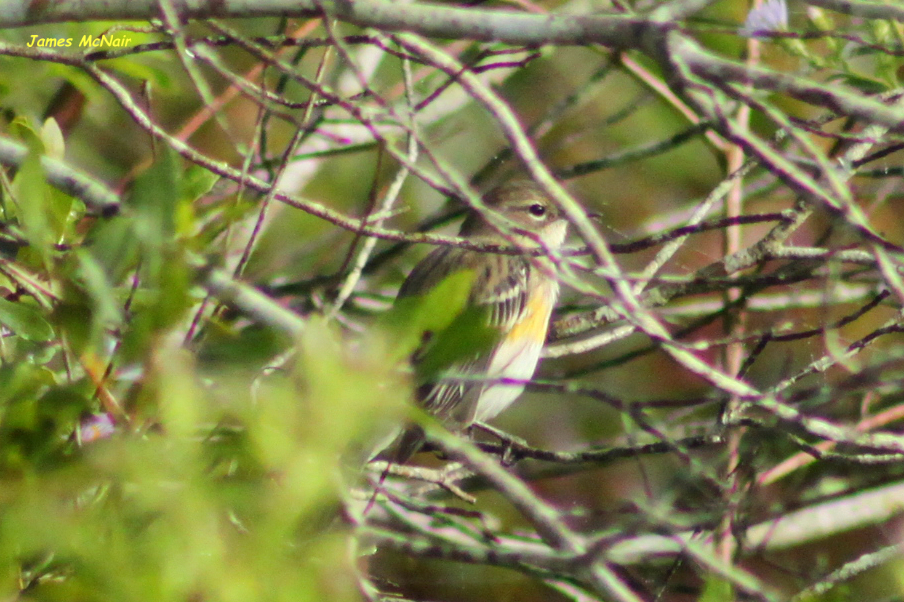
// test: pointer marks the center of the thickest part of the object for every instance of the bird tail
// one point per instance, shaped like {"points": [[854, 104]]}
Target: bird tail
{"points": [[405, 444]]}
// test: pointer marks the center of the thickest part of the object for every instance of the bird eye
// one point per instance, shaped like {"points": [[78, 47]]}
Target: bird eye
{"points": [[537, 210]]}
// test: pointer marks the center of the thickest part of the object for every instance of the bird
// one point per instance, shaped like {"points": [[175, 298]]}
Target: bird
{"points": [[517, 294]]}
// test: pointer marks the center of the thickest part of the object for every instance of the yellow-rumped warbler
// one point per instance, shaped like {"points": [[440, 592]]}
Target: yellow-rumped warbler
{"points": [[519, 295]]}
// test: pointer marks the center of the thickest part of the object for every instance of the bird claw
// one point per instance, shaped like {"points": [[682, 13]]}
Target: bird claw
{"points": [[509, 443]]}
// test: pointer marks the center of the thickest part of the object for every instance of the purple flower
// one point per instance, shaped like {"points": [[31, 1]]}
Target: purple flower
{"points": [[95, 427], [770, 16]]}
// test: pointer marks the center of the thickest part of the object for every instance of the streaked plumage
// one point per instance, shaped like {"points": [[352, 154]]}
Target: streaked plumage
{"points": [[520, 296]]}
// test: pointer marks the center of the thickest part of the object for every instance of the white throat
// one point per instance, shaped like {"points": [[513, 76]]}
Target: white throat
{"points": [[554, 235]]}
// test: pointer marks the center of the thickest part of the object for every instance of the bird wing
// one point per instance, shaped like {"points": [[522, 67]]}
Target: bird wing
{"points": [[501, 285]]}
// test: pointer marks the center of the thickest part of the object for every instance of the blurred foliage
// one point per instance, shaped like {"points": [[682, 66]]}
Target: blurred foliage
{"points": [[235, 443], [215, 475]]}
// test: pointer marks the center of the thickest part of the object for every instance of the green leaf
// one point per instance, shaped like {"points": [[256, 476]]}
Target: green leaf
{"points": [[75, 318], [26, 321], [52, 136], [863, 83], [62, 213], [717, 590], [31, 193], [22, 380], [250, 348], [106, 307], [160, 303], [345, 392], [431, 312], [197, 181], [467, 336], [154, 199], [440, 326], [25, 131], [158, 78], [114, 247]]}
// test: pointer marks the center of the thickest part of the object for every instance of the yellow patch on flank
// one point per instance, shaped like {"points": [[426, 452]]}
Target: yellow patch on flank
{"points": [[536, 320]]}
